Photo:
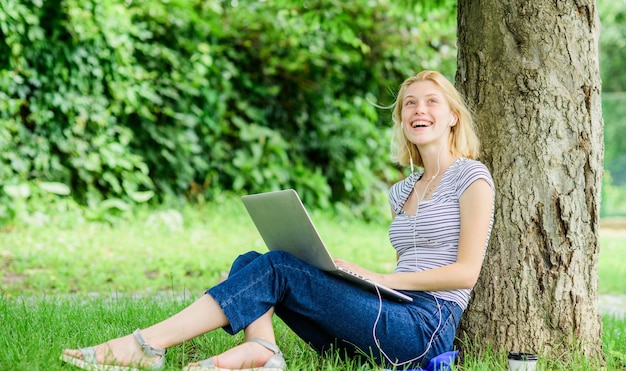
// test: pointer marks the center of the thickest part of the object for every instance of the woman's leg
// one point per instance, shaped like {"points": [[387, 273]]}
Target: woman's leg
{"points": [[384, 332], [198, 318], [249, 354], [335, 311], [325, 310]]}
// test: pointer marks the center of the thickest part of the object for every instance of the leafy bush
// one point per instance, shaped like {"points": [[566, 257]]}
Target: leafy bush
{"points": [[614, 111], [612, 44], [121, 100], [613, 198], [612, 56]]}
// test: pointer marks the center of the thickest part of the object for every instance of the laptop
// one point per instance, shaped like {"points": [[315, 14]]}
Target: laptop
{"points": [[284, 224]]}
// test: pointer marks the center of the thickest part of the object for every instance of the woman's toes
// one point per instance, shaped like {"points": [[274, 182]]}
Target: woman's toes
{"points": [[74, 353], [194, 364], [245, 355]]}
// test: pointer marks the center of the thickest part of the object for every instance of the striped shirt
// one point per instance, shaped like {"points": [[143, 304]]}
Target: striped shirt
{"points": [[430, 238]]}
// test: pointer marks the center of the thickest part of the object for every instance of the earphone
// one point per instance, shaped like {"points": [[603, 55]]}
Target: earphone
{"points": [[397, 363]]}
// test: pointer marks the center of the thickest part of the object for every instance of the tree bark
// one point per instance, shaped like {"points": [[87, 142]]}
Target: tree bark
{"points": [[530, 71]]}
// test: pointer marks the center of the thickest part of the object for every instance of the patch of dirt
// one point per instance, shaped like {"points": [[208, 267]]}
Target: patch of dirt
{"points": [[613, 227], [612, 305], [8, 277], [12, 279], [6, 257], [613, 223]]}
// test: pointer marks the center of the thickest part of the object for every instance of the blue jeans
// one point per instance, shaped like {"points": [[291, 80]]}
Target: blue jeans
{"points": [[331, 313]]}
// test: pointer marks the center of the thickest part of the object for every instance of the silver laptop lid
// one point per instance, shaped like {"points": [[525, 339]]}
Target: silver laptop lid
{"points": [[284, 224]]}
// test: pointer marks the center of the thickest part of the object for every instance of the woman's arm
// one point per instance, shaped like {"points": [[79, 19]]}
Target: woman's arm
{"points": [[475, 207]]}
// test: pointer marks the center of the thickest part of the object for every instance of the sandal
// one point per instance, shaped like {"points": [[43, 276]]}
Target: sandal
{"points": [[89, 362], [275, 363]]}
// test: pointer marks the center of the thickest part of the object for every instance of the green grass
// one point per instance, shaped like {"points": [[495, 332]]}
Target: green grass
{"points": [[73, 283], [611, 265], [155, 252]]}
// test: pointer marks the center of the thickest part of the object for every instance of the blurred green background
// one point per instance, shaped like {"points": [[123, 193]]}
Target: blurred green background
{"points": [[105, 105]]}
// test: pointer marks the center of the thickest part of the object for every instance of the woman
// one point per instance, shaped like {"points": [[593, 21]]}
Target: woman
{"points": [[442, 221]]}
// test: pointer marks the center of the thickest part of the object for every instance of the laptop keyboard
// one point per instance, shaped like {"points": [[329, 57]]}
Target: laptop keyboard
{"points": [[353, 273]]}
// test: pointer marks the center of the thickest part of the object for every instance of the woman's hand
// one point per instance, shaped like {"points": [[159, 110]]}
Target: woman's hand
{"points": [[372, 276]]}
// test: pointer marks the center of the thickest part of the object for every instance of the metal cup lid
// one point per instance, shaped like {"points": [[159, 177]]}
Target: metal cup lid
{"points": [[518, 356]]}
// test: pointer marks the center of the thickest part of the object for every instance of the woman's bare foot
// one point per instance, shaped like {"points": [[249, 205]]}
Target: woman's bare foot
{"points": [[246, 355], [123, 351]]}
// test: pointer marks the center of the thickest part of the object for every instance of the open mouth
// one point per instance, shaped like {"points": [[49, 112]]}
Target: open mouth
{"points": [[420, 124]]}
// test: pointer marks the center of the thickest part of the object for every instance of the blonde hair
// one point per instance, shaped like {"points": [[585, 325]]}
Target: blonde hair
{"points": [[463, 141]]}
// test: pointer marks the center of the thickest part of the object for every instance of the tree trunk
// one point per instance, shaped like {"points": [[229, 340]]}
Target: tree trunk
{"points": [[530, 71]]}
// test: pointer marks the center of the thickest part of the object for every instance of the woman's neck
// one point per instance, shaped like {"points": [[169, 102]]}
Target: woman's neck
{"points": [[436, 163]]}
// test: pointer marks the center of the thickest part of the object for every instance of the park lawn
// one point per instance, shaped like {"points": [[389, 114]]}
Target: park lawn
{"points": [[75, 283], [611, 267]]}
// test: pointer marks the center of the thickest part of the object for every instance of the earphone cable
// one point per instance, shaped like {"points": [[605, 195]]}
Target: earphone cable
{"points": [[380, 299]]}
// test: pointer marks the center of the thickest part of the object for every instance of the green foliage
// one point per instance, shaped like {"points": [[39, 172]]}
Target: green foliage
{"points": [[612, 44], [25, 198], [614, 111], [612, 56], [613, 197], [189, 98], [57, 121]]}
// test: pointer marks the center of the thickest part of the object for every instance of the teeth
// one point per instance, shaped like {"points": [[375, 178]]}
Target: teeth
{"points": [[419, 124]]}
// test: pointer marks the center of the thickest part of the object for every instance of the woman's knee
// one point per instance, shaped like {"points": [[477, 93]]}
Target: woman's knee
{"points": [[243, 260], [279, 254]]}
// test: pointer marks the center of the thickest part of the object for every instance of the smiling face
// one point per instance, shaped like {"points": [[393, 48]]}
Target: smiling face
{"points": [[443, 122], [426, 114]]}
